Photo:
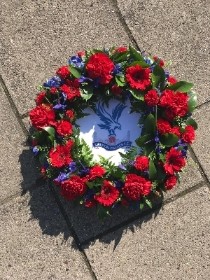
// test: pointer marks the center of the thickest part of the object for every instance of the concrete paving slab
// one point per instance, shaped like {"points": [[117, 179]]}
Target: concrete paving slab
{"points": [[87, 225], [174, 245], [201, 146], [17, 167], [37, 37], [177, 31], [35, 241]]}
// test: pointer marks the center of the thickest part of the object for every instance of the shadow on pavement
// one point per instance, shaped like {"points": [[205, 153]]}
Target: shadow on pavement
{"points": [[58, 216]]}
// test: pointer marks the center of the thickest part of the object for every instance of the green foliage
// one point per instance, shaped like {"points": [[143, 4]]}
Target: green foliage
{"points": [[139, 95], [152, 170], [75, 72], [86, 92], [181, 86], [192, 103], [120, 80], [149, 124], [143, 139], [135, 54], [158, 77], [169, 139], [192, 122]]}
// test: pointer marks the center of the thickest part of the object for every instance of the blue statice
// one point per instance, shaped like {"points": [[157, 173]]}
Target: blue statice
{"points": [[72, 167], [60, 102], [117, 69], [59, 106], [84, 79], [76, 61], [61, 177], [35, 150], [53, 82]]}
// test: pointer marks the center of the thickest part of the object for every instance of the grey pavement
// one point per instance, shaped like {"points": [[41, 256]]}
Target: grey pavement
{"points": [[41, 235]]}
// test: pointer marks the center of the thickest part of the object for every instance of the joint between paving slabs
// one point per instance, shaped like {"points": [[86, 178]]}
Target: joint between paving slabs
{"points": [[71, 229]]}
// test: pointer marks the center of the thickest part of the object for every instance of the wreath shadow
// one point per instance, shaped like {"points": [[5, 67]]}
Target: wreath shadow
{"points": [[58, 216]]}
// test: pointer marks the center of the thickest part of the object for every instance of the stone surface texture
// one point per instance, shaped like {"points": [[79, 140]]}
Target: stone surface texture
{"points": [[173, 245], [177, 31], [17, 167], [35, 241], [37, 37]]}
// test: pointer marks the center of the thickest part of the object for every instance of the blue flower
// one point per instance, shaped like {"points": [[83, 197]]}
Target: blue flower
{"points": [[72, 167], [119, 184], [59, 106], [84, 79], [53, 82], [167, 73], [61, 177], [117, 69], [121, 166], [76, 61], [35, 150]]}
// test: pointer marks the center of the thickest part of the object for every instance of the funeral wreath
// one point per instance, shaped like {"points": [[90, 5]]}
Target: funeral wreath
{"points": [[94, 79]]}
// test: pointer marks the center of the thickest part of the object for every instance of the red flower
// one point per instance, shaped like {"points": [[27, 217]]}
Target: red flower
{"points": [[96, 171], [53, 90], [176, 130], [70, 114], [60, 156], [121, 49], [100, 66], [71, 89], [172, 80], [81, 53], [64, 128], [63, 72], [158, 60], [151, 98], [170, 182], [174, 161], [189, 134], [116, 90], [163, 126], [138, 77], [141, 163], [90, 203], [108, 195], [166, 98], [136, 186], [73, 187], [42, 116], [40, 98]]}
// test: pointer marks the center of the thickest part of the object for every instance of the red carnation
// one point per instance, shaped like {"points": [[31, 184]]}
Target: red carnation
{"points": [[136, 186], [170, 182], [163, 126], [121, 49], [71, 89], [174, 161], [151, 98], [90, 203], [172, 80], [108, 195], [158, 60], [141, 163], [116, 90], [64, 128], [100, 66], [81, 53], [53, 90], [176, 130], [63, 72], [73, 187], [189, 134], [138, 77], [42, 116], [96, 171], [166, 98], [70, 114], [40, 98], [60, 156]]}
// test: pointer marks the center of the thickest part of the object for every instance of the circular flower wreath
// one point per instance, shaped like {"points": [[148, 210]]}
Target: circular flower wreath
{"points": [[152, 166]]}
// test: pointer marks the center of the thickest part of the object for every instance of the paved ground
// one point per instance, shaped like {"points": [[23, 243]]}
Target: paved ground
{"points": [[43, 237]]}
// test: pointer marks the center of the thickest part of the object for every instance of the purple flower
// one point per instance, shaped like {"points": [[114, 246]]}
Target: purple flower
{"points": [[53, 82], [121, 166], [117, 69], [35, 150], [84, 79], [59, 107], [72, 167], [76, 61], [61, 177]]}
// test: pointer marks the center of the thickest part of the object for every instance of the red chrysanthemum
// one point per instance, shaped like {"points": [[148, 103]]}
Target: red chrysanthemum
{"points": [[189, 134], [42, 116], [151, 98], [64, 128], [100, 67], [174, 161], [60, 156], [108, 195], [141, 163], [96, 171], [170, 182], [121, 49], [73, 187], [163, 126], [136, 186], [138, 77], [40, 98], [71, 89], [63, 72]]}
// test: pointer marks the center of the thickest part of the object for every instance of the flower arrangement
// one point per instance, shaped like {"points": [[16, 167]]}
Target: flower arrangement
{"points": [[147, 168]]}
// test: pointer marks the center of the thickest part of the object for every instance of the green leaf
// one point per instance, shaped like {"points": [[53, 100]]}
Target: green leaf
{"points": [[120, 80], [139, 95], [149, 148], [148, 202], [102, 212], [141, 140], [192, 103], [74, 72], [152, 170], [143, 64], [158, 76], [169, 139], [119, 57], [50, 130], [150, 124], [181, 86], [192, 122], [86, 93], [135, 54], [141, 206]]}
